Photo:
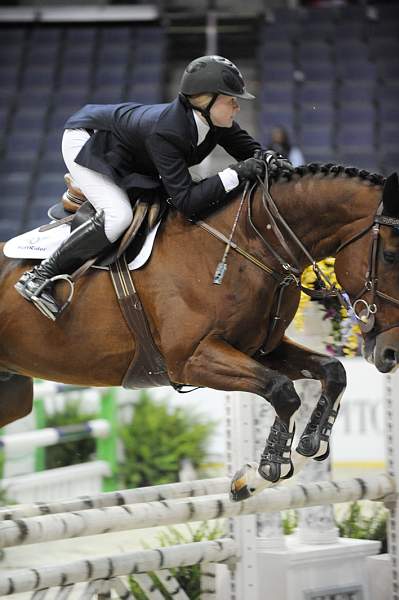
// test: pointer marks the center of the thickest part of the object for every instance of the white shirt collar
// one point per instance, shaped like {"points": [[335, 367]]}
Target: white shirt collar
{"points": [[202, 127]]}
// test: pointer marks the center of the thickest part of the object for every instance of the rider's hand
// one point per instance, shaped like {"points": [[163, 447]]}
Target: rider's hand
{"points": [[275, 162], [251, 169]]}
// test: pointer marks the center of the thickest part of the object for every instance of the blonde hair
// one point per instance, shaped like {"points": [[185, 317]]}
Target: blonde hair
{"points": [[200, 100]]}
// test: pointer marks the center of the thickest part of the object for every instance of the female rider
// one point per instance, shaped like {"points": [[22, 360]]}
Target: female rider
{"points": [[121, 152]]}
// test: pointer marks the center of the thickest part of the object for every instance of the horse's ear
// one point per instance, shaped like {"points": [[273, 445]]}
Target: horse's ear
{"points": [[390, 196]]}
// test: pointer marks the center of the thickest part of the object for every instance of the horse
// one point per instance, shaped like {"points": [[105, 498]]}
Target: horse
{"points": [[229, 336]]}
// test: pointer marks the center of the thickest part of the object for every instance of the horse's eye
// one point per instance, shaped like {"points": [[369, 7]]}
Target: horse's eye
{"points": [[389, 257]]}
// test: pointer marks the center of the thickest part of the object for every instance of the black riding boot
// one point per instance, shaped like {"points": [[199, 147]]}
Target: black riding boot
{"points": [[84, 243]]}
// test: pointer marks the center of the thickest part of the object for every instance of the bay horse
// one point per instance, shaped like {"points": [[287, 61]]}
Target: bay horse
{"points": [[231, 336]]}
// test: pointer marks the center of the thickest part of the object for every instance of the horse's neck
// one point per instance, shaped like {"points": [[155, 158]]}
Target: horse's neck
{"points": [[325, 212]]}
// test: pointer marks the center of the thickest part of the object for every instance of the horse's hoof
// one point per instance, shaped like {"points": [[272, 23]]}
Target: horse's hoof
{"points": [[323, 456], [246, 483]]}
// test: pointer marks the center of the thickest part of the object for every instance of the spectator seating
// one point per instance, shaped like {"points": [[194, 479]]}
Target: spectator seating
{"points": [[47, 72], [331, 75]]}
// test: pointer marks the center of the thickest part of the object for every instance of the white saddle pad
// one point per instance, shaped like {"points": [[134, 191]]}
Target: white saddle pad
{"points": [[37, 244]]}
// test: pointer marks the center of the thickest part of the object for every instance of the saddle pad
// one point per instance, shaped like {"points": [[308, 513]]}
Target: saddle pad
{"points": [[37, 245]]}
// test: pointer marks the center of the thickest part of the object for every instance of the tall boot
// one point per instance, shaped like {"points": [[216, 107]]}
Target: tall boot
{"points": [[84, 243]]}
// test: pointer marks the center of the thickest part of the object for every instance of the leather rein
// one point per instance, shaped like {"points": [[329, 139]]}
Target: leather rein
{"points": [[291, 273]]}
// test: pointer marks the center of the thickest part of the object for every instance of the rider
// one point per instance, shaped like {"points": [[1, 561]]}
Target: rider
{"points": [[121, 152]]}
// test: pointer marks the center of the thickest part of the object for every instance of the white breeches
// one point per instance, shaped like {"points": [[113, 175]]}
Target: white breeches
{"points": [[99, 189]]}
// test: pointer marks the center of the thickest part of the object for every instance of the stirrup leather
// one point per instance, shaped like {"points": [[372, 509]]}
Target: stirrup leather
{"points": [[44, 306]]}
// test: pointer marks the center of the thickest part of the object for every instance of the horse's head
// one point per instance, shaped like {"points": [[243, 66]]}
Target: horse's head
{"points": [[373, 285]]}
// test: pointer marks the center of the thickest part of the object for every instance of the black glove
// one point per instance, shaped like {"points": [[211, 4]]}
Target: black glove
{"points": [[275, 162], [251, 169]]}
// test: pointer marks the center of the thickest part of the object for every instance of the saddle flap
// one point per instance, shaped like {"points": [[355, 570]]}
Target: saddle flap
{"points": [[139, 213]]}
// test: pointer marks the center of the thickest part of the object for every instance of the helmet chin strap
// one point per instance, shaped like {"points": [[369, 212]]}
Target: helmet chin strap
{"points": [[206, 112]]}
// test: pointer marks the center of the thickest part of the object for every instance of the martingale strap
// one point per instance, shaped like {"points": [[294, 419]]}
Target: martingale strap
{"points": [[147, 368]]}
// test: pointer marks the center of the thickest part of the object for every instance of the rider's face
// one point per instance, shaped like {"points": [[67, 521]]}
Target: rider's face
{"points": [[224, 110]]}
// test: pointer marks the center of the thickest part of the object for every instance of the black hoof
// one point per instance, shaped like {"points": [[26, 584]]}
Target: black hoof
{"points": [[323, 456], [290, 473], [239, 495], [243, 484]]}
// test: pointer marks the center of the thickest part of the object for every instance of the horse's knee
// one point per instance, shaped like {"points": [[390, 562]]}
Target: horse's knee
{"points": [[16, 398], [26, 408], [283, 396], [335, 376]]}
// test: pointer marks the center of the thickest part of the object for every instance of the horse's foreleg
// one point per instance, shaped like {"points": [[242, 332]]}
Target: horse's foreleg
{"points": [[298, 362], [218, 365], [16, 397]]}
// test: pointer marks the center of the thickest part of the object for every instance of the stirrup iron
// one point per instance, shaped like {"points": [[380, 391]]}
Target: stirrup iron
{"points": [[41, 303]]}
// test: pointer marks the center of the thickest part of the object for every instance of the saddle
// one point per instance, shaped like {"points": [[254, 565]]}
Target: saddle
{"points": [[147, 367], [74, 208]]}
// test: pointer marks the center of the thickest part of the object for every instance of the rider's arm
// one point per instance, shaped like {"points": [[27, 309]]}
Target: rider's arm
{"points": [[237, 142], [241, 145], [190, 198]]}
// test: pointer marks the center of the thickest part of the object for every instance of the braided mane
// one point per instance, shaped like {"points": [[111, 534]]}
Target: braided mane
{"points": [[329, 169]]}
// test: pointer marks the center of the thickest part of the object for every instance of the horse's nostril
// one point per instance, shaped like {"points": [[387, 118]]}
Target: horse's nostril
{"points": [[390, 355]]}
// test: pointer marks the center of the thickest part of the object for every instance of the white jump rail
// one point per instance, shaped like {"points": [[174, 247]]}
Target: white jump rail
{"points": [[87, 522], [49, 436], [167, 491], [24, 580]]}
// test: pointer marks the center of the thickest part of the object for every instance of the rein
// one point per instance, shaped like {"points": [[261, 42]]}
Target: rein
{"points": [[292, 273], [367, 310]]}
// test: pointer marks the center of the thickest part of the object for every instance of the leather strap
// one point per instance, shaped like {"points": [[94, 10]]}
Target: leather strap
{"points": [[147, 368], [220, 236]]}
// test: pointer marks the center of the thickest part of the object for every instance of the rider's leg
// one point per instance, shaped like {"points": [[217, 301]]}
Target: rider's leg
{"points": [[84, 243], [99, 189], [113, 217]]}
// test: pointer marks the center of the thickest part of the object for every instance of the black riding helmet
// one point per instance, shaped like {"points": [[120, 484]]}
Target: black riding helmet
{"points": [[213, 75]]}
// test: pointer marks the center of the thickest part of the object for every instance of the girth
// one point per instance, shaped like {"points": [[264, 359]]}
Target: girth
{"points": [[147, 368]]}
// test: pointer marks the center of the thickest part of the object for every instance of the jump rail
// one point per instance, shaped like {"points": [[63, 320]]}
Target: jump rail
{"points": [[24, 580], [169, 512], [167, 491], [49, 436], [102, 429]]}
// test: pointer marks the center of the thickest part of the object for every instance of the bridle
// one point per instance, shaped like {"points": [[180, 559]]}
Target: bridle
{"points": [[363, 311]]}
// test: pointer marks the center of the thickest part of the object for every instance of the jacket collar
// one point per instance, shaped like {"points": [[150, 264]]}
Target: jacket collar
{"points": [[202, 128], [184, 103]]}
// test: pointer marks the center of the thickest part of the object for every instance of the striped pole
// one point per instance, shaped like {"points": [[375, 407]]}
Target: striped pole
{"points": [[106, 444], [166, 491], [28, 440], [171, 512], [24, 580]]}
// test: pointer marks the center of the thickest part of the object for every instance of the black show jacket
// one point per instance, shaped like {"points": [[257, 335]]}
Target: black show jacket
{"points": [[150, 147]]}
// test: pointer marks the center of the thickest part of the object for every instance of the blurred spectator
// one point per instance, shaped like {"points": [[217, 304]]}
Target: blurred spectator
{"points": [[280, 142]]}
